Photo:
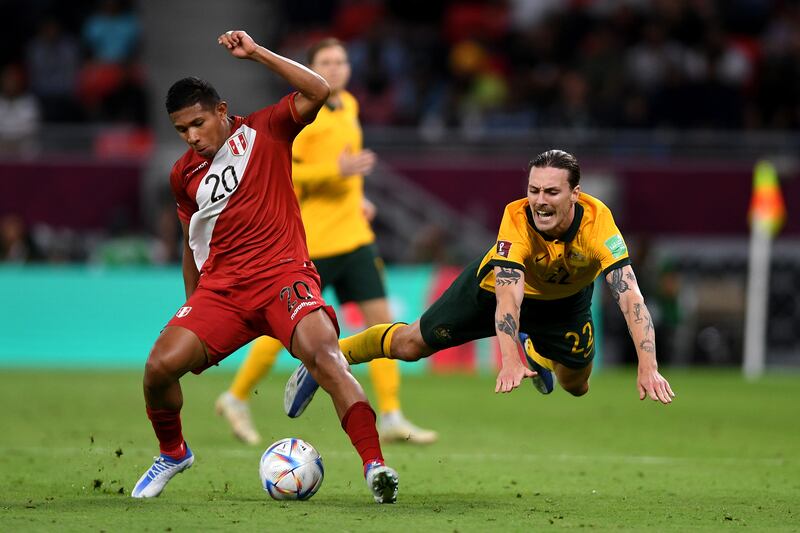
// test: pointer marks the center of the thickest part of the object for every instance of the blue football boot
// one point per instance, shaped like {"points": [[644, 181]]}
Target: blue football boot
{"points": [[299, 392], [543, 380]]}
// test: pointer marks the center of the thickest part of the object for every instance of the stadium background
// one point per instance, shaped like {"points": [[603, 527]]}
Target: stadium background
{"points": [[667, 104]]}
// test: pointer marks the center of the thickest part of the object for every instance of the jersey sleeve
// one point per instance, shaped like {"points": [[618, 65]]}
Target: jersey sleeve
{"points": [[610, 248], [304, 172], [513, 244], [281, 120], [186, 206]]}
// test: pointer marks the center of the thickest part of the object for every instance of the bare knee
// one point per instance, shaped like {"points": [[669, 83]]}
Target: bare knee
{"points": [[574, 381], [325, 360], [157, 373], [408, 344], [578, 389], [169, 360]]}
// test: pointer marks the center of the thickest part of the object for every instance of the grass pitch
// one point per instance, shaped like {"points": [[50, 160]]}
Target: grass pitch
{"points": [[724, 456]]}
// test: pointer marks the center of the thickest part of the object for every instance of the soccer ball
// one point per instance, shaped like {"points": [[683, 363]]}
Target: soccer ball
{"points": [[291, 469]]}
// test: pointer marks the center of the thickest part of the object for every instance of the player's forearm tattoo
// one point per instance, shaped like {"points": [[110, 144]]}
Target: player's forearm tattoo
{"points": [[508, 276], [617, 284], [648, 328], [508, 326], [642, 318], [637, 313]]}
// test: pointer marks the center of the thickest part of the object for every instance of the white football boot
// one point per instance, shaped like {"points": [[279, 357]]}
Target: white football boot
{"points": [[157, 476], [383, 482], [237, 413]]}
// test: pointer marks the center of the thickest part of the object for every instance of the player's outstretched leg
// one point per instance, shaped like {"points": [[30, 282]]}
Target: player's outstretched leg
{"points": [[543, 380], [315, 344], [372, 343], [176, 352]]}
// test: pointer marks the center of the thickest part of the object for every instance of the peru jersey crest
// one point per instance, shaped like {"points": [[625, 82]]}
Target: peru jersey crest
{"points": [[238, 144]]}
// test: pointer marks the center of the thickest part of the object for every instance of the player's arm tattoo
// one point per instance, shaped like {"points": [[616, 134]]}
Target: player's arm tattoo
{"points": [[618, 285], [508, 325], [637, 313], [643, 323], [508, 276], [637, 316]]}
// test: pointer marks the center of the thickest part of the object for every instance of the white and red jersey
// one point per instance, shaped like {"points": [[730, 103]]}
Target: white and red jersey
{"points": [[241, 208]]}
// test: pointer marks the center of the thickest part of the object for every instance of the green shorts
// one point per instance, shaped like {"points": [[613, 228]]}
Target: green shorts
{"points": [[356, 276], [561, 330]]}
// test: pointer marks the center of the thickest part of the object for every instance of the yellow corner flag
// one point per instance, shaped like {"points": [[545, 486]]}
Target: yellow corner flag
{"points": [[767, 208]]}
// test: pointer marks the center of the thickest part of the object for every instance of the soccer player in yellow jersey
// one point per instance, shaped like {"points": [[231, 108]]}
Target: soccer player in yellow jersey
{"points": [[328, 166], [535, 286]]}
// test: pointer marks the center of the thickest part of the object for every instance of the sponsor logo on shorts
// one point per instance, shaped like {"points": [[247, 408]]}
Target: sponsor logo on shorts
{"points": [[183, 311], [503, 247], [302, 305]]}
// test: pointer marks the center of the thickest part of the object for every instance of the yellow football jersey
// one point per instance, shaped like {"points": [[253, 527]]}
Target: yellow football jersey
{"points": [[330, 204], [556, 268]]}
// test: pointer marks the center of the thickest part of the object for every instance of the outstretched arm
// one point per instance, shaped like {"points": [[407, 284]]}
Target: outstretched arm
{"points": [[313, 88], [509, 290], [347, 164], [626, 293]]}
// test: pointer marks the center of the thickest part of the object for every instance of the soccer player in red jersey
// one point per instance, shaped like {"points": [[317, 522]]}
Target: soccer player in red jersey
{"points": [[245, 264]]}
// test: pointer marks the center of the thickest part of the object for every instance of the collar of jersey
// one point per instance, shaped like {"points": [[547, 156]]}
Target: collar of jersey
{"points": [[571, 231]]}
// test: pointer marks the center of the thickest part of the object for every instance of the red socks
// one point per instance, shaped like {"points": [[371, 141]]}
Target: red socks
{"points": [[359, 424], [167, 425]]}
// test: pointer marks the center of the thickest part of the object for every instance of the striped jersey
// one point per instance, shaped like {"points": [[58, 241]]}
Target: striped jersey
{"points": [[241, 208]]}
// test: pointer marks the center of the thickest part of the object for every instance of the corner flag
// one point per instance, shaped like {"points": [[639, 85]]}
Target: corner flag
{"points": [[767, 215], [767, 208]]}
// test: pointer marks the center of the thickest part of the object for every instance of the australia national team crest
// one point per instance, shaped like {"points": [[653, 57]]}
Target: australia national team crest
{"points": [[238, 144]]}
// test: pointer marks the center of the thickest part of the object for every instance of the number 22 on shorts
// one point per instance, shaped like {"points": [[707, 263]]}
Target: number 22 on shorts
{"points": [[576, 339]]}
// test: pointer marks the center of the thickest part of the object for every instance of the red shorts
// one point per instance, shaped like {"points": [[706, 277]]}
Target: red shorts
{"points": [[226, 320]]}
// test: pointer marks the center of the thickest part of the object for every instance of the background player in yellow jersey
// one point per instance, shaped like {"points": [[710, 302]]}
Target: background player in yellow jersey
{"points": [[535, 284], [328, 168]]}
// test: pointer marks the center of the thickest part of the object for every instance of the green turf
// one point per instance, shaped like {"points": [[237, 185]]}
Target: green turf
{"points": [[722, 457]]}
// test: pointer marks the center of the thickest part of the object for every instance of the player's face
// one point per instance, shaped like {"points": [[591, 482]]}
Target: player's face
{"points": [[331, 63], [551, 200], [204, 130]]}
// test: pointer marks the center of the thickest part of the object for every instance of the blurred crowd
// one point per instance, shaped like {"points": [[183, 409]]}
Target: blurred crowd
{"points": [[505, 64], [68, 62], [481, 66], [496, 64]]}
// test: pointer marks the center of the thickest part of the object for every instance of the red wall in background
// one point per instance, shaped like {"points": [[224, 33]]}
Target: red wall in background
{"points": [[683, 197], [74, 194], [676, 197]]}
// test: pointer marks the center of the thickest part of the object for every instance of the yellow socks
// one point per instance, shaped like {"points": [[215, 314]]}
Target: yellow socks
{"points": [[385, 376], [372, 343], [258, 362]]}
